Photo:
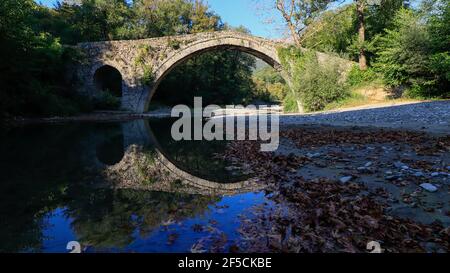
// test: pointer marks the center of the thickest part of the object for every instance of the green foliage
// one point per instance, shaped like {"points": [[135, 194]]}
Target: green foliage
{"points": [[319, 84], [156, 18], [407, 47], [314, 84], [31, 38], [352, 99], [402, 51], [334, 32], [219, 77], [269, 85], [357, 77], [105, 100], [412, 54], [148, 76], [288, 56], [174, 44], [439, 62], [32, 65], [337, 30], [290, 103], [269, 75]]}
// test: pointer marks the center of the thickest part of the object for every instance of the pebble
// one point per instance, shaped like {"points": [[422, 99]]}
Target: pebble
{"points": [[435, 174], [345, 179], [368, 164], [418, 174], [310, 155], [421, 115], [400, 165], [429, 187], [392, 177]]}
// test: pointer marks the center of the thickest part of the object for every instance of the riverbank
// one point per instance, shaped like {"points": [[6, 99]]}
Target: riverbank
{"points": [[336, 189], [98, 116], [427, 116]]}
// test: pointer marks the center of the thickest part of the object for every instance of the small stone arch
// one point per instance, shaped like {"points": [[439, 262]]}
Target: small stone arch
{"points": [[108, 78]]}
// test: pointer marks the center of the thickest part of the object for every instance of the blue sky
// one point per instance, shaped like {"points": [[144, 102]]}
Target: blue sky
{"points": [[247, 13], [238, 12]]}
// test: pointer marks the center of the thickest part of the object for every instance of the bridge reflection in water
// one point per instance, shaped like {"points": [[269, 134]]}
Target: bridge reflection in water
{"points": [[151, 164], [116, 187]]}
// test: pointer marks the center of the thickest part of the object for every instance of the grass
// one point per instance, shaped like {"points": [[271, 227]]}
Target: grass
{"points": [[353, 100], [358, 99]]}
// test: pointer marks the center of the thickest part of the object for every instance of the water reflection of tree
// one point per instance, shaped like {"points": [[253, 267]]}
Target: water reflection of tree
{"points": [[112, 218], [39, 165], [33, 181]]}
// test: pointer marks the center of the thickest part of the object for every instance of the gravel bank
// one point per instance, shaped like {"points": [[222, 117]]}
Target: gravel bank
{"points": [[431, 117]]}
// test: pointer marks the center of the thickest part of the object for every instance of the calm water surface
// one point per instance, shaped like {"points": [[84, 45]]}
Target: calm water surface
{"points": [[50, 193]]}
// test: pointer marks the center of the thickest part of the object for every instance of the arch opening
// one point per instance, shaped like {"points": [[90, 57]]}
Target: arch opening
{"points": [[183, 59], [110, 149], [108, 79]]}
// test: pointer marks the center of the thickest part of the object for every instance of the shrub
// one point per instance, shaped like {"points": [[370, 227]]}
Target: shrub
{"points": [[104, 100], [174, 44], [148, 77], [318, 84], [402, 52], [290, 103], [357, 77]]}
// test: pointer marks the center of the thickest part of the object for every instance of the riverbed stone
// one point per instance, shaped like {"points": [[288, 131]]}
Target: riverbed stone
{"points": [[429, 187], [345, 179]]}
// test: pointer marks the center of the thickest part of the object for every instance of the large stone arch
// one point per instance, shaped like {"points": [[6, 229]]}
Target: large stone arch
{"points": [[257, 47]]}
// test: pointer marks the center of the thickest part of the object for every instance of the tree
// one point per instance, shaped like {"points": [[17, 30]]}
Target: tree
{"points": [[439, 31], [403, 52], [298, 14], [333, 31], [360, 9]]}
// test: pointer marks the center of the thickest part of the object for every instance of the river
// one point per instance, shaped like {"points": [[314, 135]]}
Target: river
{"points": [[54, 190]]}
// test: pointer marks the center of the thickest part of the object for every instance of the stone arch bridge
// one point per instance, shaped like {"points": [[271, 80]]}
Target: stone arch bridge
{"points": [[143, 64]]}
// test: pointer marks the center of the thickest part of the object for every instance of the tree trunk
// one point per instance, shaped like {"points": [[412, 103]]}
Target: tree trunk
{"points": [[360, 6], [294, 34]]}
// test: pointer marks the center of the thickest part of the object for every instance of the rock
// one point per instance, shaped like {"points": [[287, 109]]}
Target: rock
{"points": [[368, 164], [345, 179], [311, 155], [436, 174], [429, 187], [365, 170], [393, 177], [400, 165], [448, 168], [418, 174]]}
